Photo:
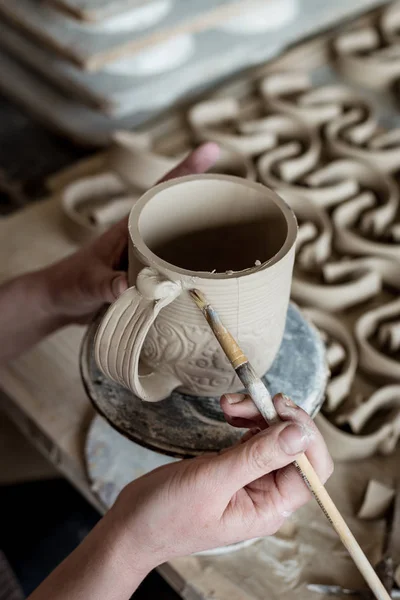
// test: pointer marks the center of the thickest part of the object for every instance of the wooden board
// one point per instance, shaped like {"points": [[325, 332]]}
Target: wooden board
{"points": [[56, 111], [217, 54], [96, 10], [87, 126], [90, 50], [44, 396]]}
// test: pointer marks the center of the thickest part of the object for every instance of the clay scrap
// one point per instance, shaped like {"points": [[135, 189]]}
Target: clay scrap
{"points": [[377, 500]]}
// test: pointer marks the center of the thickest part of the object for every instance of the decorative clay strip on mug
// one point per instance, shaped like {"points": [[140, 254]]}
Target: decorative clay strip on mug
{"points": [[340, 383]]}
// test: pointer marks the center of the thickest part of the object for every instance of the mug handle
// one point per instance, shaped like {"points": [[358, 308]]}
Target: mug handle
{"points": [[121, 334]]}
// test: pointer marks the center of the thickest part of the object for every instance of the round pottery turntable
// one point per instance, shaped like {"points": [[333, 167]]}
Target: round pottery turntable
{"points": [[184, 426]]}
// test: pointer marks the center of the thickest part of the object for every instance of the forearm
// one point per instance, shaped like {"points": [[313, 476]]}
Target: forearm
{"points": [[26, 314], [99, 569]]}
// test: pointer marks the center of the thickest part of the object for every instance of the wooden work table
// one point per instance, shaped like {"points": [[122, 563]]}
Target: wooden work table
{"points": [[43, 394]]}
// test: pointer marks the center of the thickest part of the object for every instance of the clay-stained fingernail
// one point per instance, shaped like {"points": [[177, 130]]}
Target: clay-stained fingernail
{"points": [[287, 401], [294, 439], [234, 398], [119, 285]]}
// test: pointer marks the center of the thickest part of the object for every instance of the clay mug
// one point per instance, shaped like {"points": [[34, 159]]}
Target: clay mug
{"points": [[232, 238]]}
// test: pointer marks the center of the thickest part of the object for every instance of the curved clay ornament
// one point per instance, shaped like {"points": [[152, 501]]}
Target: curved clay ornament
{"points": [[219, 121], [356, 134], [374, 361], [283, 91], [389, 24], [383, 399], [362, 223], [178, 243], [339, 385], [362, 59], [345, 446], [131, 158], [326, 185], [91, 204], [331, 286]]}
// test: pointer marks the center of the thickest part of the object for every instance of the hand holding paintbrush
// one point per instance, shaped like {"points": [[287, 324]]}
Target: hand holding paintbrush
{"points": [[262, 399]]}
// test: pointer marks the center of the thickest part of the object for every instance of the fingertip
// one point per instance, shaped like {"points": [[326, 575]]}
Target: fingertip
{"points": [[288, 410], [212, 150], [229, 399], [119, 285]]}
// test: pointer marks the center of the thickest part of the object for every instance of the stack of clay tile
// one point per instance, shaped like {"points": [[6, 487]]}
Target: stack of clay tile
{"points": [[88, 67]]}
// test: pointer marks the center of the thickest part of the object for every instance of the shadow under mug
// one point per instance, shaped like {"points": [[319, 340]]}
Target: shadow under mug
{"points": [[231, 238]]}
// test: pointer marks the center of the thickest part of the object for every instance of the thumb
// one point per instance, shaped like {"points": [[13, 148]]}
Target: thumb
{"points": [[267, 451], [112, 285]]}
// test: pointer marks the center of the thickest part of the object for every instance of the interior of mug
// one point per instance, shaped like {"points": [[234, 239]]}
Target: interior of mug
{"points": [[213, 225]]}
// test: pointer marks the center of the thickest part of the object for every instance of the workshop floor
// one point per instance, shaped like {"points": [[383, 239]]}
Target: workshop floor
{"points": [[42, 522]]}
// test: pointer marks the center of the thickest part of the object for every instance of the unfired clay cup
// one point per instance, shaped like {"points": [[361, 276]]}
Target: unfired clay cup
{"points": [[229, 237]]}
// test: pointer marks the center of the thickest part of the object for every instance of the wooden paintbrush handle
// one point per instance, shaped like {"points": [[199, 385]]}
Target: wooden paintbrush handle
{"points": [[327, 505]]}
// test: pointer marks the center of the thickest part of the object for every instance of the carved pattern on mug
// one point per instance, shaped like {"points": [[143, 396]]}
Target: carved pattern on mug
{"points": [[342, 363], [374, 358], [197, 358]]}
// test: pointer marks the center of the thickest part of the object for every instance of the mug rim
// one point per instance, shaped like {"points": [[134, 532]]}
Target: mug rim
{"points": [[154, 260]]}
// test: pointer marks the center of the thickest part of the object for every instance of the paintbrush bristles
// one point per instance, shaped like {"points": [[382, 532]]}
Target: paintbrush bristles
{"points": [[225, 339], [199, 299]]}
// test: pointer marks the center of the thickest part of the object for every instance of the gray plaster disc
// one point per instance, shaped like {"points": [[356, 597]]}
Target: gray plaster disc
{"points": [[185, 426]]}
